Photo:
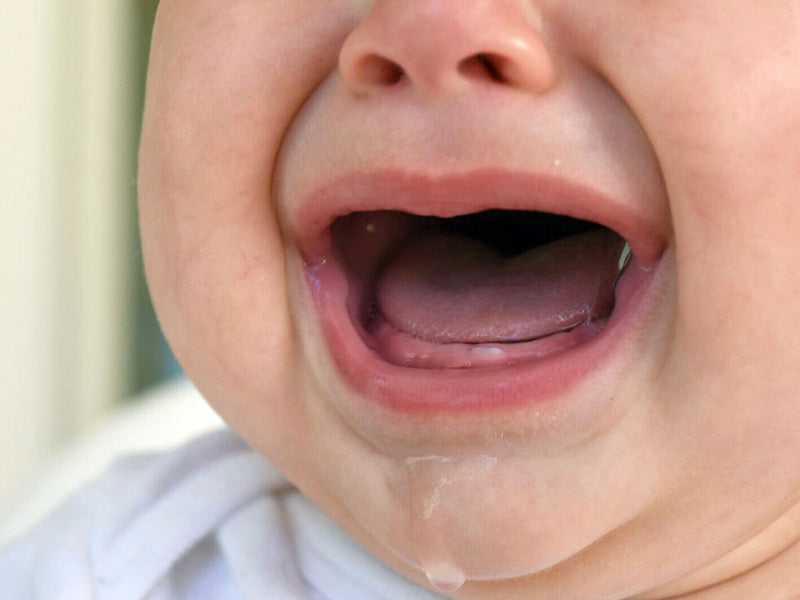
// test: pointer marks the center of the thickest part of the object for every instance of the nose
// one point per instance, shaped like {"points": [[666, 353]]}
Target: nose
{"points": [[440, 47]]}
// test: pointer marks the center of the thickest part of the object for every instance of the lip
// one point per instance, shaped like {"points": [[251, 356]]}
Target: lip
{"points": [[413, 390], [464, 193]]}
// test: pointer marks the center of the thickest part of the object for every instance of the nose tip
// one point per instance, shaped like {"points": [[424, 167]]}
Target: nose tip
{"points": [[441, 46]]}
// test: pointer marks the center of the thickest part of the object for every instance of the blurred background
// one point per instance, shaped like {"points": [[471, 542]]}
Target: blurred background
{"points": [[78, 333]]}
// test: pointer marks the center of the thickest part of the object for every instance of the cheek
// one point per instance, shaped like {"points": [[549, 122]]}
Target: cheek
{"points": [[225, 80], [717, 90], [719, 99]]}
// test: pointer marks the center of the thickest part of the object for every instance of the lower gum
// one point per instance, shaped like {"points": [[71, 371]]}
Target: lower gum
{"points": [[402, 349]]}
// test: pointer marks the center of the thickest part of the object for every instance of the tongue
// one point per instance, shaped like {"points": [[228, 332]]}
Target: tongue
{"points": [[445, 288]]}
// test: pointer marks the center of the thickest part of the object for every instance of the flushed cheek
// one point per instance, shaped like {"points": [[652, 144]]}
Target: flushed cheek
{"points": [[707, 99], [731, 379], [724, 122], [737, 226], [224, 82]]}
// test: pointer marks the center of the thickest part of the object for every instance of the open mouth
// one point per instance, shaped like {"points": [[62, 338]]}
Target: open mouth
{"points": [[473, 291], [486, 289]]}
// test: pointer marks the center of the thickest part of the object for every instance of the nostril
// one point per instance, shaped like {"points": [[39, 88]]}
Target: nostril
{"points": [[374, 69], [485, 65], [436, 48]]}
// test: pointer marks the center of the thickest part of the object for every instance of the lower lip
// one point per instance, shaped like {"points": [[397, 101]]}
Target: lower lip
{"points": [[414, 390]]}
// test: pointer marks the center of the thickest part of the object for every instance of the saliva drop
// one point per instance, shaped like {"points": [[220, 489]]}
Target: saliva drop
{"points": [[444, 576], [437, 487]]}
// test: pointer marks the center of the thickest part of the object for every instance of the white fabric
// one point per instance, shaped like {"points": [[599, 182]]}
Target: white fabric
{"points": [[157, 420], [210, 521]]}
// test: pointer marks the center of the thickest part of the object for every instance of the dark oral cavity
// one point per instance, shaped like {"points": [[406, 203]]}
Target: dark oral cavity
{"points": [[490, 289]]}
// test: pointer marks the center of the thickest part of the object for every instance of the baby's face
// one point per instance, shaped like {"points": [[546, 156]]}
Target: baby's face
{"points": [[505, 394]]}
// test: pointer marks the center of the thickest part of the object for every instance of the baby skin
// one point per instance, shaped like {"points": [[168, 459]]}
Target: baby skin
{"points": [[507, 287]]}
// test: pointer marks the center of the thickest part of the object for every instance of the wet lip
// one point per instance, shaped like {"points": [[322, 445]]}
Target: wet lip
{"points": [[412, 389]]}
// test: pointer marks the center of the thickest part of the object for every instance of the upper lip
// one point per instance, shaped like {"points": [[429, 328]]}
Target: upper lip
{"points": [[455, 194]]}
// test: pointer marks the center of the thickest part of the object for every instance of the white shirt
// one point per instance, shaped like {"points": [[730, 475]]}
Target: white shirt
{"points": [[210, 521]]}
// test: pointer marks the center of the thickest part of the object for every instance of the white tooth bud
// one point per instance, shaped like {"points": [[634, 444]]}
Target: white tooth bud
{"points": [[488, 352], [624, 257]]}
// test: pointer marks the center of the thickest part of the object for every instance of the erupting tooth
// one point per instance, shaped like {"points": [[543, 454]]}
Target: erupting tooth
{"points": [[488, 352], [624, 257]]}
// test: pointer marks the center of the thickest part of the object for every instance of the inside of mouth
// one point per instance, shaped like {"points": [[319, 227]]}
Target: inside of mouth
{"points": [[488, 289]]}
